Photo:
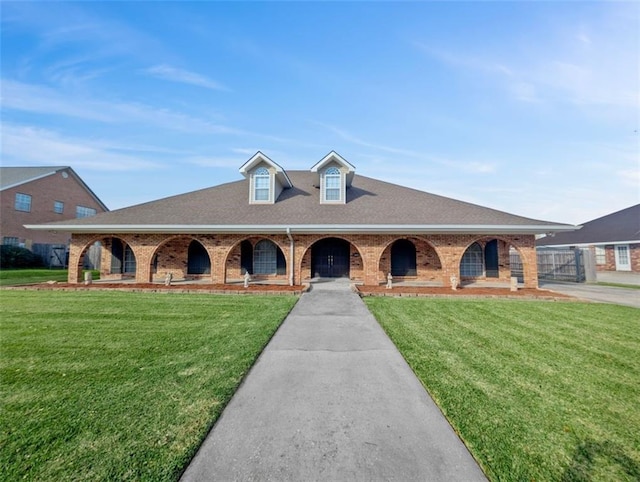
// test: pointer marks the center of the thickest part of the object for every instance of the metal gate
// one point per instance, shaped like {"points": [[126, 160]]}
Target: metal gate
{"points": [[53, 255], [554, 264]]}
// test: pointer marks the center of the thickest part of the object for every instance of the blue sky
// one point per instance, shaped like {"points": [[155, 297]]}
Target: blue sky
{"points": [[527, 107]]}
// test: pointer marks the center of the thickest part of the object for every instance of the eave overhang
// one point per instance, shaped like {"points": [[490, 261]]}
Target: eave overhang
{"points": [[586, 245], [307, 228], [333, 156], [259, 157]]}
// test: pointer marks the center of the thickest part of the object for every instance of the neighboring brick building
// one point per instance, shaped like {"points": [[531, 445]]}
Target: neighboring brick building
{"points": [[294, 226], [614, 240], [35, 195]]}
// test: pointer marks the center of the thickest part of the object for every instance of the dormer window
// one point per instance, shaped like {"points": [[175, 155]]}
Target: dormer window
{"points": [[332, 184], [266, 179], [261, 184], [335, 176]]}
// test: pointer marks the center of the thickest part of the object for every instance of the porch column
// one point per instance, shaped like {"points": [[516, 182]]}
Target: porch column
{"points": [[218, 254], [143, 247], [371, 252], [75, 252], [529, 265], [302, 244], [450, 255]]}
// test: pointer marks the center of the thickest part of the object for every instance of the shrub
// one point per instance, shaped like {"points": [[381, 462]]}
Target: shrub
{"points": [[15, 257]]}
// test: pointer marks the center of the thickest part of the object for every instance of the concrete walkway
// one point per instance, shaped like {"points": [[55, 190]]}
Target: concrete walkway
{"points": [[593, 292], [331, 398]]}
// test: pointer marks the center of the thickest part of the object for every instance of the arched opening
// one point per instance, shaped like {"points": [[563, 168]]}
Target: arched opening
{"points": [[472, 262], [91, 257], [268, 258], [246, 257], [403, 258], [491, 259], [330, 258], [123, 260], [198, 261]]}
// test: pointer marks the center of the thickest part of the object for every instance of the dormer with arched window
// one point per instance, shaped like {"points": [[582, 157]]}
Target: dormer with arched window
{"points": [[261, 180], [335, 176], [267, 179]]}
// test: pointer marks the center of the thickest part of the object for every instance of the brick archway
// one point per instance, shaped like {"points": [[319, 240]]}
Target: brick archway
{"points": [[428, 263]]}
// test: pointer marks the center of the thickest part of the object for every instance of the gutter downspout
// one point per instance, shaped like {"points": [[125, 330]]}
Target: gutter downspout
{"points": [[291, 251]]}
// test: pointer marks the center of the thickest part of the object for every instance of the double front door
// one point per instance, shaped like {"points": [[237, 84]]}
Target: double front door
{"points": [[330, 258]]}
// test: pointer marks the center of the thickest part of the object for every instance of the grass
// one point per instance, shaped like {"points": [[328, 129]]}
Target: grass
{"points": [[537, 390], [15, 277], [120, 386], [618, 285]]}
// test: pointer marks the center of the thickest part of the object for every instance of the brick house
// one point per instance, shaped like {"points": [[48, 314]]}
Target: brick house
{"points": [[35, 195], [290, 227], [613, 239]]}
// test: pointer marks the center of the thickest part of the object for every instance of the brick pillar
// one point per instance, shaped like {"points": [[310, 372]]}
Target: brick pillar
{"points": [[529, 264], [75, 254], [219, 261], [371, 252], [143, 247], [450, 255], [105, 258], [143, 265]]}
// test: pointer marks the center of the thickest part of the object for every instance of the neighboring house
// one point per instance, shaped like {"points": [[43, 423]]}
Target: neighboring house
{"points": [[614, 240], [34, 195], [294, 226]]}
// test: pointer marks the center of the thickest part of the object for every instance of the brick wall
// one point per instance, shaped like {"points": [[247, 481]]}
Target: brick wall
{"points": [[428, 266], [44, 192], [437, 256], [610, 258]]}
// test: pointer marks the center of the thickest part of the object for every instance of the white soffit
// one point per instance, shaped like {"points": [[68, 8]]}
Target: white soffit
{"points": [[259, 157], [333, 156]]}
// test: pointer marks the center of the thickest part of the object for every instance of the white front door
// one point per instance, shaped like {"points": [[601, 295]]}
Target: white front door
{"points": [[623, 260]]}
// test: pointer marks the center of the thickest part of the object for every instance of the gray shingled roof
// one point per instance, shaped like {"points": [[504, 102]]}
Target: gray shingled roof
{"points": [[370, 202], [621, 226], [14, 176]]}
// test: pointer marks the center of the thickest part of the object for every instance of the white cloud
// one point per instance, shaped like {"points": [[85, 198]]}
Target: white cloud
{"points": [[524, 91], [74, 70], [37, 146], [593, 63], [207, 161], [473, 166], [631, 177], [246, 151], [46, 100], [173, 74]]}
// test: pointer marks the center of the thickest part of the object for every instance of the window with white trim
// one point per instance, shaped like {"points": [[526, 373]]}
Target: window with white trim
{"points": [[601, 255], [623, 254], [58, 207], [84, 212], [332, 184], [10, 241], [261, 184], [23, 202]]}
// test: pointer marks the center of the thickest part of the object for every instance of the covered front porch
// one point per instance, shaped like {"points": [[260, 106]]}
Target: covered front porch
{"points": [[293, 259]]}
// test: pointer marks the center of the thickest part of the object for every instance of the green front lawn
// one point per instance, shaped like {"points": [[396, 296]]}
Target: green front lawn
{"points": [[15, 277], [120, 386], [537, 390]]}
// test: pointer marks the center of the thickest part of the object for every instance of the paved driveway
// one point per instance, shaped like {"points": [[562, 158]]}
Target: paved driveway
{"points": [[603, 294]]}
